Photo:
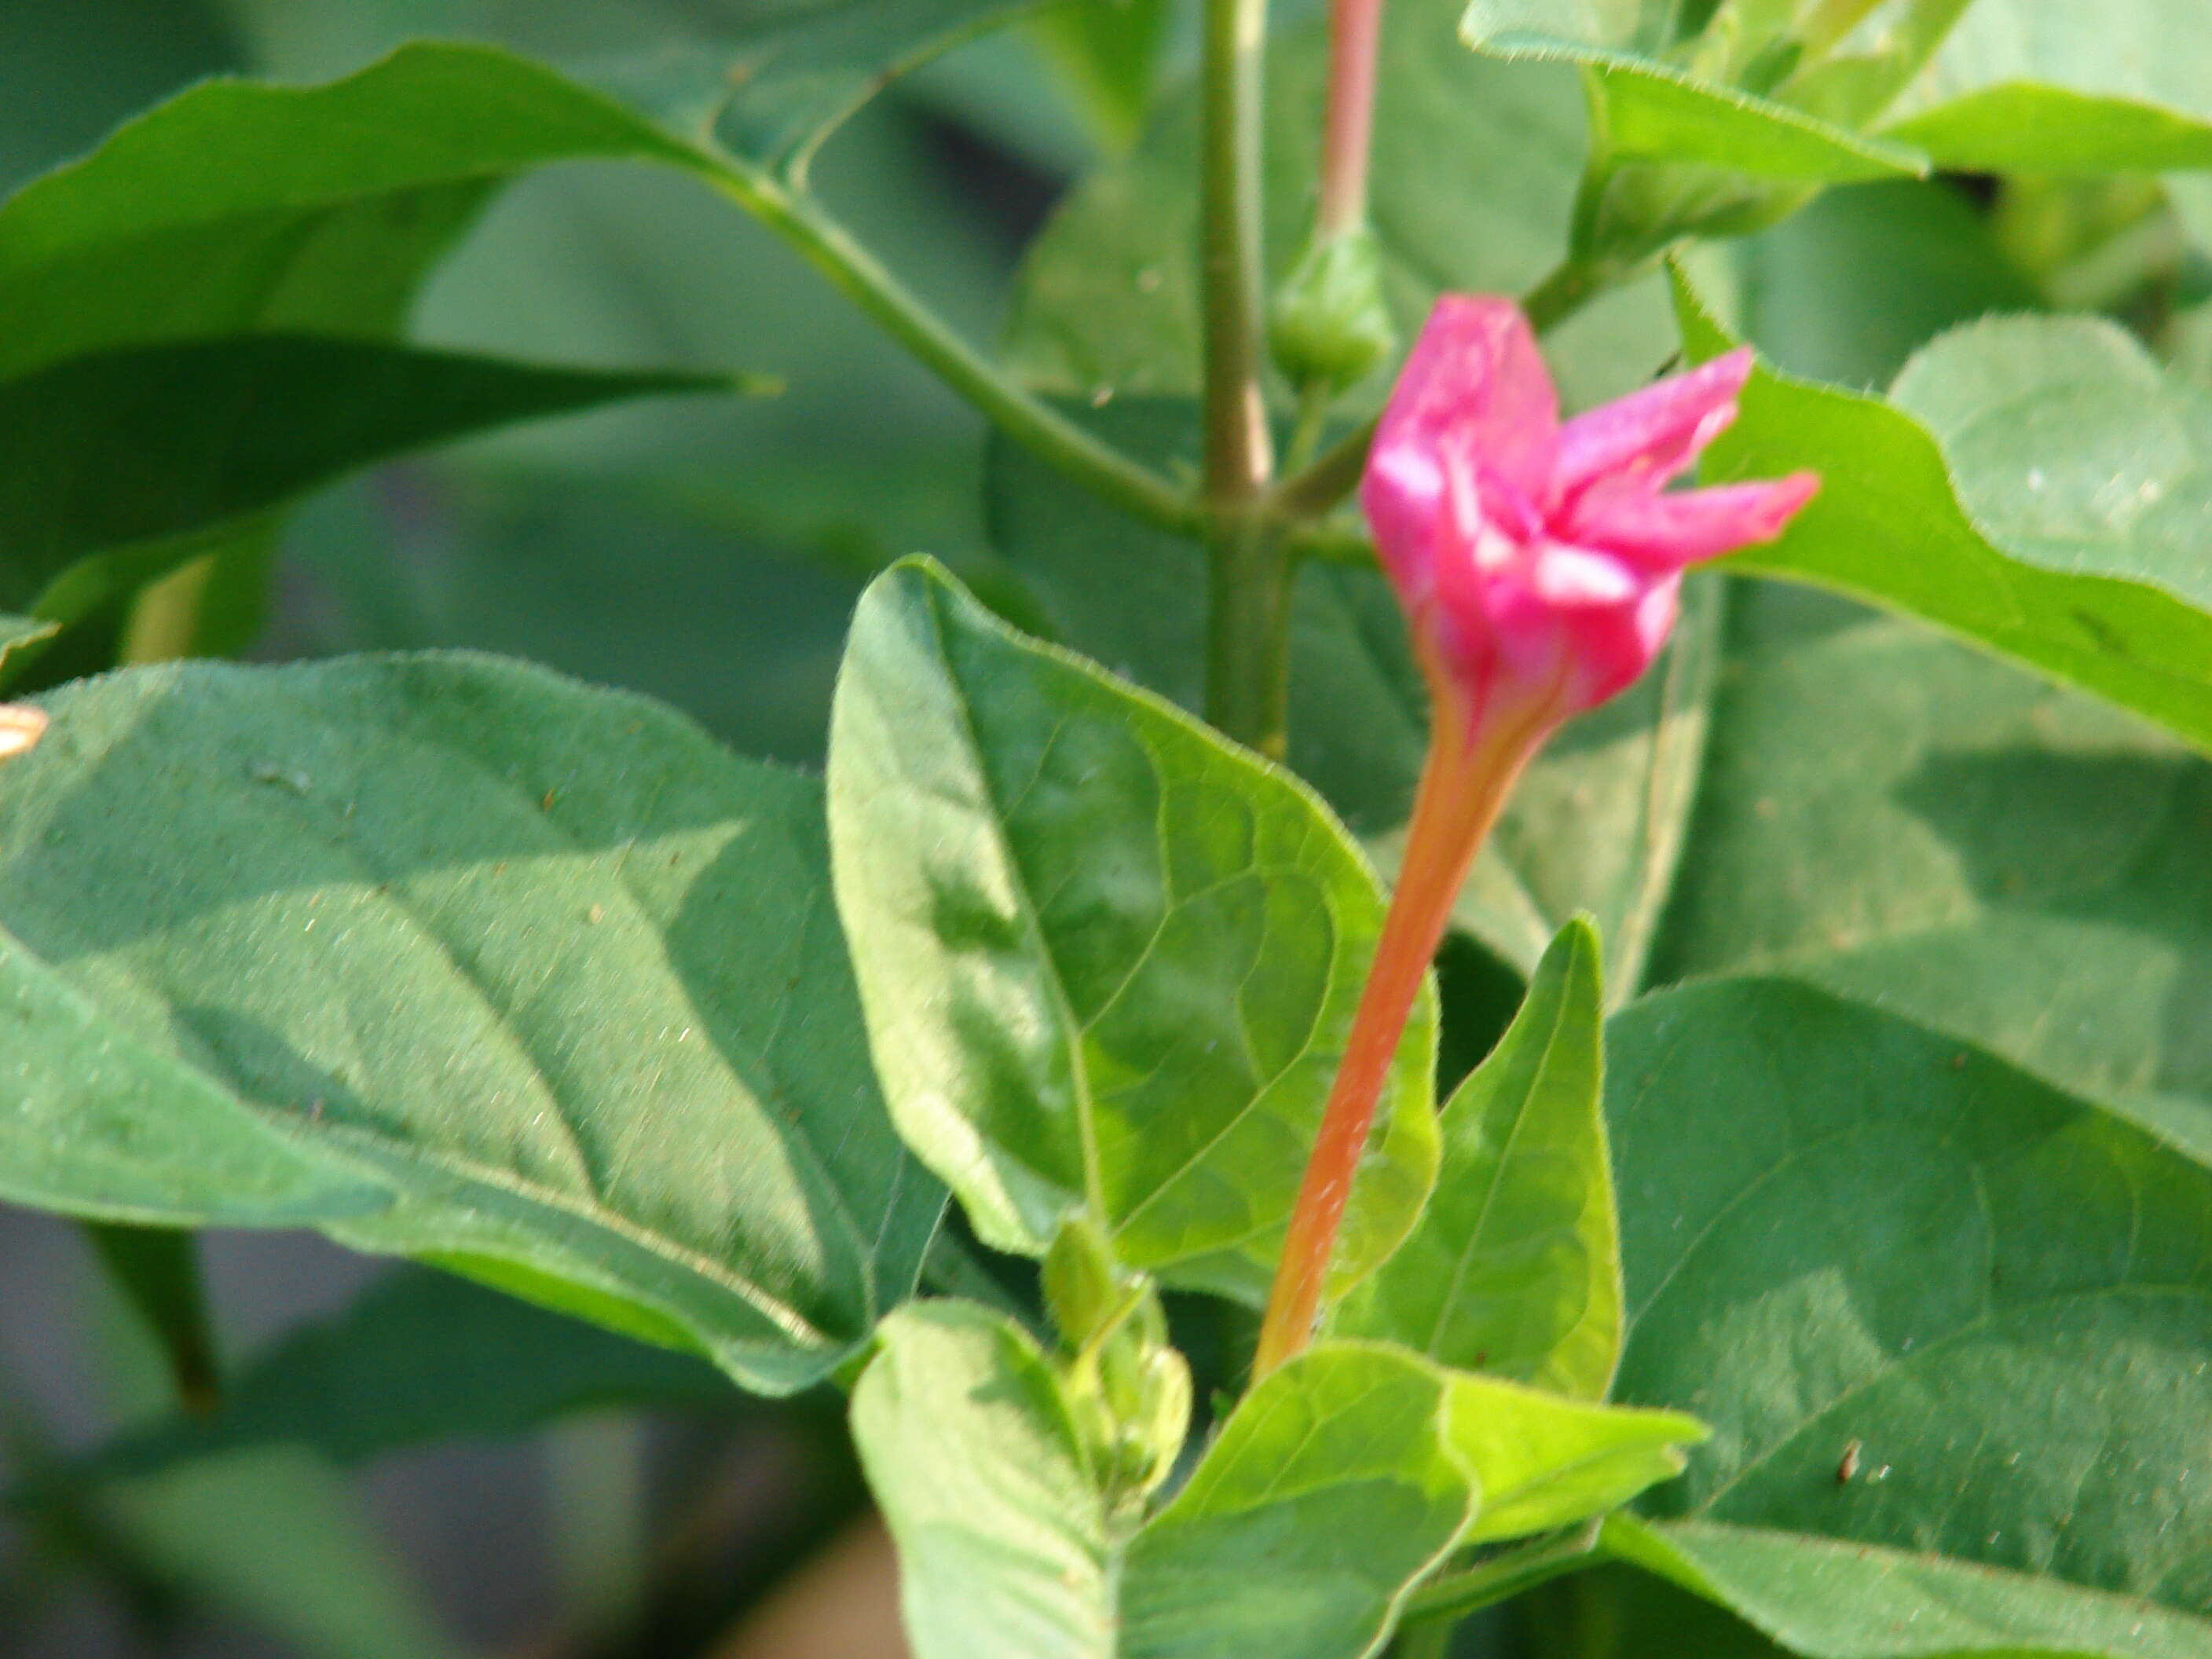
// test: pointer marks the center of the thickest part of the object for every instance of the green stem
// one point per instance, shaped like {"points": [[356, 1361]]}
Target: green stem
{"points": [[1448, 1600], [1051, 436], [1247, 664], [1566, 289], [1247, 659]]}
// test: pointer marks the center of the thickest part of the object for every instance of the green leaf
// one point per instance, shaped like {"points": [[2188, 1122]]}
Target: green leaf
{"points": [[1543, 1462], [237, 207], [452, 957], [418, 1358], [1334, 1486], [1595, 822], [1928, 1303], [1905, 821], [2101, 588], [1330, 1489], [2049, 87], [1831, 1601], [973, 1455], [1515, 1266], [162, 442], [277, 1539], [1109, 961], [155, 1272], [1845, 290], [1655, 111]]}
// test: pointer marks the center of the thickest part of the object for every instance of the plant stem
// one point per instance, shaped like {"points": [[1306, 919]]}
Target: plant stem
{"points": [[1566, 289], [1355, 28], [1041, 429], [1464, 781], [1248, 661], [1451, 1598], [1248, 656]]}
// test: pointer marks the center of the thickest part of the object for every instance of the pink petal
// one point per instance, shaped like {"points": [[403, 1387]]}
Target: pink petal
{"points": [[1650, 435], [1670, 532], [1474, 391]]}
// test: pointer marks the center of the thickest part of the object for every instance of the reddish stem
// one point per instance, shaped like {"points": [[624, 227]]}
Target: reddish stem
{"points": [[1354, 28], [1464, 781]]}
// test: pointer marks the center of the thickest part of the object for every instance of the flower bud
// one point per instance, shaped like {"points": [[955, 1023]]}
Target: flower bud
{"points": [[1330, 324]]}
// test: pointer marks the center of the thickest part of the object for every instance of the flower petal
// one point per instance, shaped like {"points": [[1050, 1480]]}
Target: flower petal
{"points": [[1650, 435], [1474, 392], [1668, 532]]}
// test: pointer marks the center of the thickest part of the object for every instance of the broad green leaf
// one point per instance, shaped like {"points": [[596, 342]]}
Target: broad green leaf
{"points": [[1833, 1600], [1906, 820], [454, 958], [1594, 824], [419, 1356], [1928, 1303], [1475, 166], [162, 442], [1515, 1266], [1653, 109], [2050, 87], [1332, 1488], [1108, 960], [2102, 587]]}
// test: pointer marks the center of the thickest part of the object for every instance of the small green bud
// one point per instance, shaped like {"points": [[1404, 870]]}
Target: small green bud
{"points": [[1130, 1389], [1330, 325], [1084, 1289]]}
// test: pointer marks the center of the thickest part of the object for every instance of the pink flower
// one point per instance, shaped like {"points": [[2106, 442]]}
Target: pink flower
{"points": [[1540, 563]]}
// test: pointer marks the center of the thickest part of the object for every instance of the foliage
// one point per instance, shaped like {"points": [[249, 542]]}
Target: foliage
{"points": [[1827, 1234]]}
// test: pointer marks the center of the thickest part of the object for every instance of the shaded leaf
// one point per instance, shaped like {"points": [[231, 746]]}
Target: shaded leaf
{"points": [[1515, 1266], [1928, 1303], [1845, 290], [454, 958], [1906, 820], [277, 1539], [167, 442], [418, 1358], [238, 207], [1108, 960], [2103, 590], [1831, 1601]]}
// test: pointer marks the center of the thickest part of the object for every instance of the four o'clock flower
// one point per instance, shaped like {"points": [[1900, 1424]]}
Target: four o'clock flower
{"points": [[1538, 563]]}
